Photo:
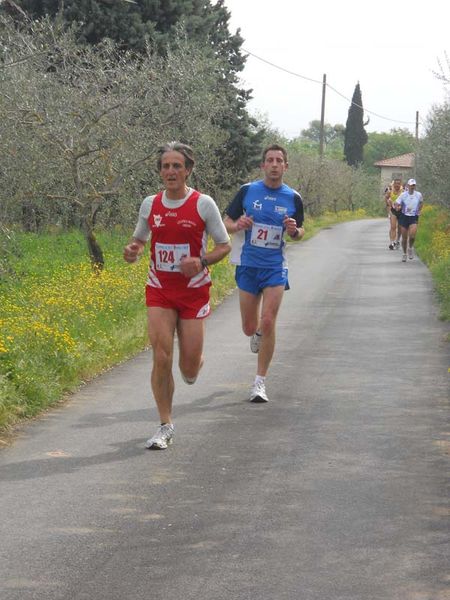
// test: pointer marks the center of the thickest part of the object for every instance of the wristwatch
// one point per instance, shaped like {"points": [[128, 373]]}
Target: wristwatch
{"points": [[204, 262]]}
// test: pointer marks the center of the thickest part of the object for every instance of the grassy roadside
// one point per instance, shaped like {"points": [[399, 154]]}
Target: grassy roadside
{"points": [[433, 247], [60, 324]]}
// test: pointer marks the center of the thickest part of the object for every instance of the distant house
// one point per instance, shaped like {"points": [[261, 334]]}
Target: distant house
{"points": [[391, 168]]}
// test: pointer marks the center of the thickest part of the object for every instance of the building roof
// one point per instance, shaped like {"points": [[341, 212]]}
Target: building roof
{"points": [[404, 160]]}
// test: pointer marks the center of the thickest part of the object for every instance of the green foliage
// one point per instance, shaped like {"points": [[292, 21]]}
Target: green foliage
{"points": [[124, 22], [433, 157], [309, 140], [387, 145], [433, 246], [331, 185], [61, 323], [330, 132], [133, 25], [80, 125], [8, 251], [355, 134]]}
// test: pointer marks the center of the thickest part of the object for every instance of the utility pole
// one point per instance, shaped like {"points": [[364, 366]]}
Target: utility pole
{"points": [[322, 117]]}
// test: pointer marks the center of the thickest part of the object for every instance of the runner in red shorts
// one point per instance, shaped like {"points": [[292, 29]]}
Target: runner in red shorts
{"points": [[178, 221]]}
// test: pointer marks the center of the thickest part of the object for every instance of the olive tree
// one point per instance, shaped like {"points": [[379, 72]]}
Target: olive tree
{"points": [[331, 185], [80, 124], [433, 156]]}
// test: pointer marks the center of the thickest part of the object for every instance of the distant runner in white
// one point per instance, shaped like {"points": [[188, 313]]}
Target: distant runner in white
{"points": [[410, 203]]}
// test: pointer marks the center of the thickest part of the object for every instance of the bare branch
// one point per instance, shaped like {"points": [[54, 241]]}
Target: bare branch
{"points": [[87, 127], [66, 198], [117, 182], [21, 60], [87, 152]]}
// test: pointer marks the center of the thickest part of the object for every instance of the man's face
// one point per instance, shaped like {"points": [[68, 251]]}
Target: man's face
{"points": [[397, 184], [173, 171], [274, 166]]}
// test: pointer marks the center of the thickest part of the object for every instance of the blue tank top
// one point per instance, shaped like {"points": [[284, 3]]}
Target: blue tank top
{"points": [[263, 245]]}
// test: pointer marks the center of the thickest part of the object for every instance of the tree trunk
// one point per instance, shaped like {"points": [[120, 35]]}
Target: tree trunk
{"points": [[31, 217], [95, 251]]}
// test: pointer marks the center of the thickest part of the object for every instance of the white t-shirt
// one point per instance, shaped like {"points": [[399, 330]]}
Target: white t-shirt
{"points": [[410, 203]]}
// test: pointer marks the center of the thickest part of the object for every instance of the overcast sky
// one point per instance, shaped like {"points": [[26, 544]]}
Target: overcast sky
{"points": [[390, 46]]}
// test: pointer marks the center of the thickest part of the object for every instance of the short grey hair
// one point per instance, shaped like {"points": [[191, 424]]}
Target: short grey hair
{"points": [[184, 149]]}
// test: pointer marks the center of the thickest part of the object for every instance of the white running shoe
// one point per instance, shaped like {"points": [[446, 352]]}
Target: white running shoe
{"points": [[162, 438], [258, 393], [397, 245], [410, 253], [404, 258], [255, 342], [392, 246]]}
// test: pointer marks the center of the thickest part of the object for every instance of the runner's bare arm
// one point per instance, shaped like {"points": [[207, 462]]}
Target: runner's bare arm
{"points": [[243, 222], [292, 230], [133, 250]]}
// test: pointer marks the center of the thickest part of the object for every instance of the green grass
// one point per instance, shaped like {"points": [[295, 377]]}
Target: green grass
{"points": [[433, 247], [61, 324]]}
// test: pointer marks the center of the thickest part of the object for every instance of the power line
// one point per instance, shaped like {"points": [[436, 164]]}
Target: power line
{"points": [[281, 68], [329, 86], [369, 111]]}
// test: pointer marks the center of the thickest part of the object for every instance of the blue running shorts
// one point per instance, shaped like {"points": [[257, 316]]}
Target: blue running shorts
{"points": [[253, 280]]}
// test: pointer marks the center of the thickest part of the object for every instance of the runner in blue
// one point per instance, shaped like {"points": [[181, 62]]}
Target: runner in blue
{"points": [[258, 217]]}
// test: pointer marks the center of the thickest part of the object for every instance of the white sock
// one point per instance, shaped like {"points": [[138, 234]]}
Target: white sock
{"points": [[259, 379]]}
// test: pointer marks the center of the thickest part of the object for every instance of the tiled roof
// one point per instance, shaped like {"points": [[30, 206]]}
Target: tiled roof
{"points": [[404, 160]]}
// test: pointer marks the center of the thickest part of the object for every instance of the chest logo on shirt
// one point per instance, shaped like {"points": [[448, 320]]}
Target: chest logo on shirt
{"points": [[157, 220], [281, 210], [186, 223], [269, 198], [257, 205]]}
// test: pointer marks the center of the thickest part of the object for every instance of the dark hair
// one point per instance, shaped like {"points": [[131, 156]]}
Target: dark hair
{"points": [[275, 147], [183, 149]]}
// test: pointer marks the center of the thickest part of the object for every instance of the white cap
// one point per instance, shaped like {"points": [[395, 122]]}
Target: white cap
{"points": [[411, 182]]}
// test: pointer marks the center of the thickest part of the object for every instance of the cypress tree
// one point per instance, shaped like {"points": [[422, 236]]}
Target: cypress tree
{"points": [[355, 134]]}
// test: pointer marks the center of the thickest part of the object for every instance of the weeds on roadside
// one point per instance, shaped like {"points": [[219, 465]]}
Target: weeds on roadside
{"points": [[61, 323], [433, 247]]}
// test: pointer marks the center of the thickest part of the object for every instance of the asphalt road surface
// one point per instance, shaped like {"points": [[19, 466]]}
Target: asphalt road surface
{"points": [[335, 490]]}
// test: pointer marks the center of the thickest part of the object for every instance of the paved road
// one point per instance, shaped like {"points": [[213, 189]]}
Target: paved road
{"points": [[335, 490]]}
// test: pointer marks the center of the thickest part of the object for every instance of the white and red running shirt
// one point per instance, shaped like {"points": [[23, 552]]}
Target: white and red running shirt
{"points": [[178, 228]]}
